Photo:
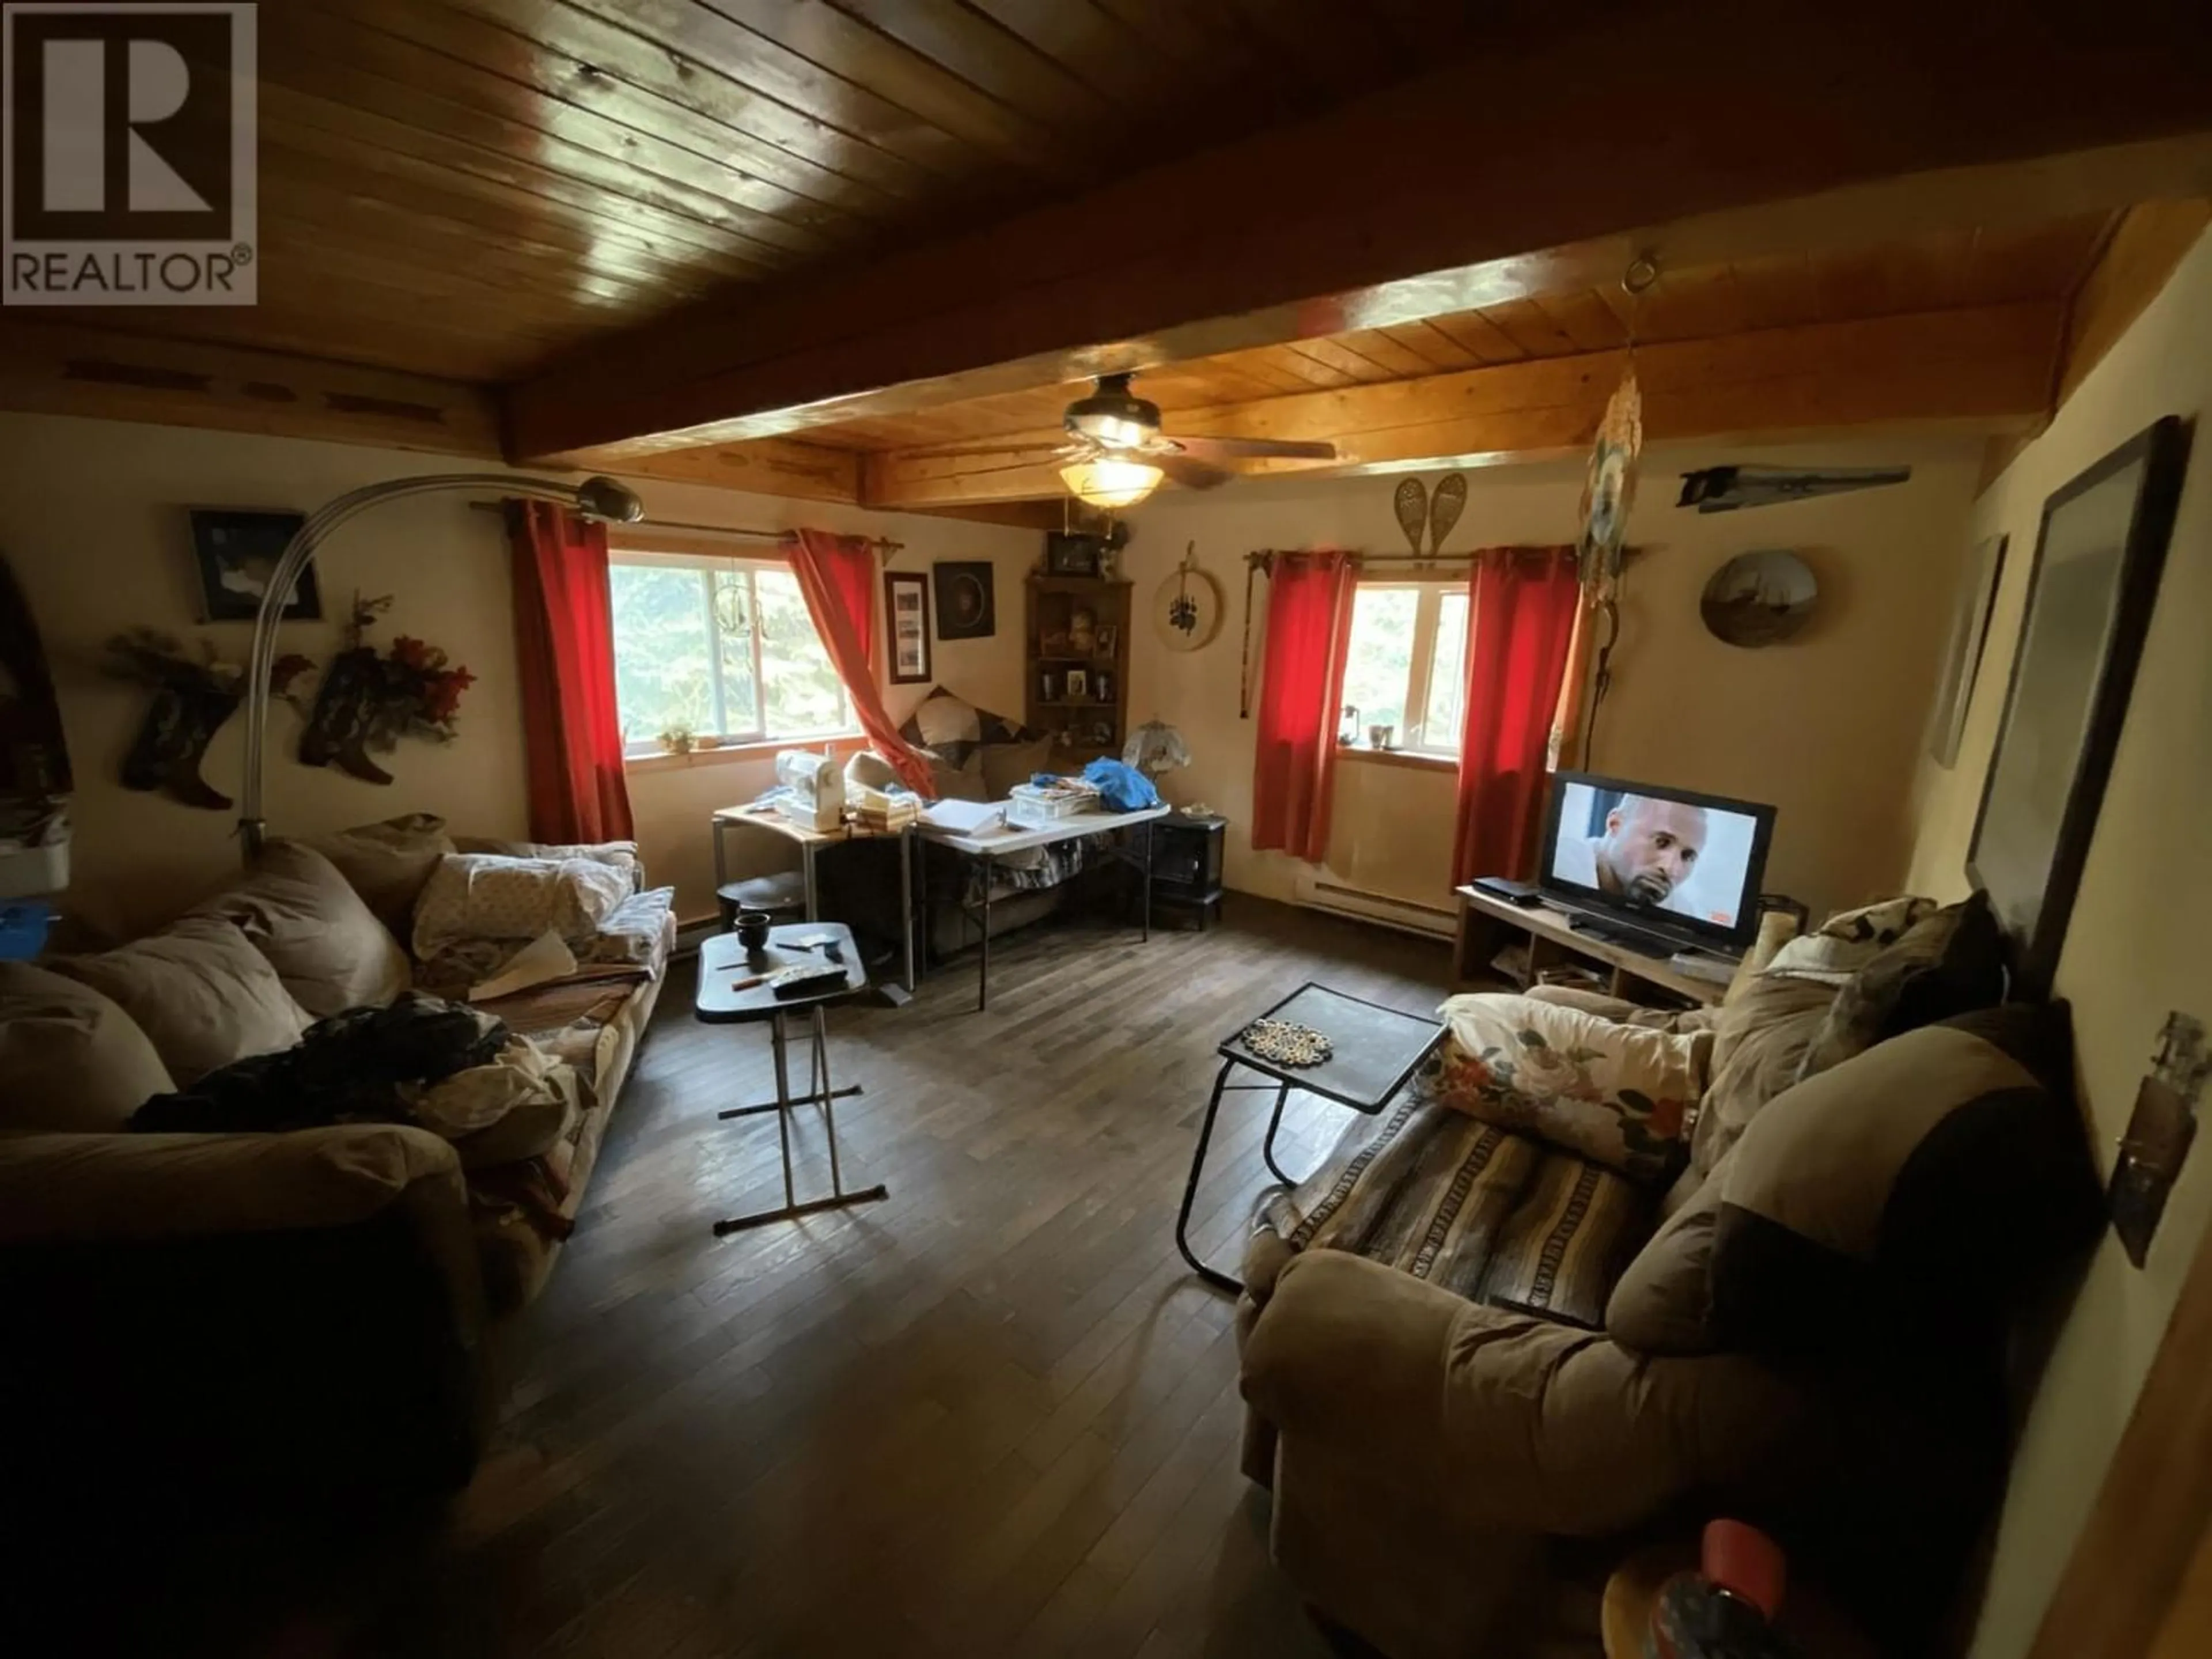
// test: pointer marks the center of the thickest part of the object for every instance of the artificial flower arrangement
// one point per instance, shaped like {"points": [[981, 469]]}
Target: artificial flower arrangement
{"points": [[370, 699]]}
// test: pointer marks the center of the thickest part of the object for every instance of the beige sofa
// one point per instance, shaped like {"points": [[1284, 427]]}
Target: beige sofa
{"points": [[271, 1318], [1478, 1367]]}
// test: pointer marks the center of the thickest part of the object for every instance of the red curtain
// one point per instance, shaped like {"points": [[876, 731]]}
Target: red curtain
{"points": [[1301, 692], [1522, 602], [837, 575], [564, 644]]}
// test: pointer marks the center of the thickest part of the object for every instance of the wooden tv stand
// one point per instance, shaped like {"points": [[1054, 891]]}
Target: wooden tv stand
{"points": [[1488, 925]]}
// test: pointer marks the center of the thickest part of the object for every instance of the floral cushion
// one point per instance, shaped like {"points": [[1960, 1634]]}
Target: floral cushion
{"points": [[1618, 1094]]}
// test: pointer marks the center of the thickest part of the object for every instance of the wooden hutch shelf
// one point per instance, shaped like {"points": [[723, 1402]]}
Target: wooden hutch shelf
{"points": [[1078, 625]]}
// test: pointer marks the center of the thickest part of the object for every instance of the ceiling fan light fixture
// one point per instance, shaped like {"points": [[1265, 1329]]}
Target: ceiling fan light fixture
{"points": [[1117, 431], [1110, 481]]}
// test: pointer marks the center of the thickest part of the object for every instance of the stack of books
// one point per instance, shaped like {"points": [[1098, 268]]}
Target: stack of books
{"points": [[883, 812]]}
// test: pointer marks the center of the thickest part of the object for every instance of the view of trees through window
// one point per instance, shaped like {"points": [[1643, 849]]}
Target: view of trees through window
{"points": [[1407, 668], [722, 647]]}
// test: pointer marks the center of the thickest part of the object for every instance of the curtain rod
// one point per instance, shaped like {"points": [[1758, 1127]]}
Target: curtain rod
{"points": [[1265, 559], [883, 543]]}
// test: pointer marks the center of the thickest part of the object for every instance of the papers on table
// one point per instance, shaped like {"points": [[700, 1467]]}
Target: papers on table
{"points": [[966, 817]]}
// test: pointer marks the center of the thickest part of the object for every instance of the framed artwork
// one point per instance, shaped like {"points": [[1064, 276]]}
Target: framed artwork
{"points": [[2090, 591], [1759, 599], [1110, 639], [235, 552], [1070, 555], [1962, 650], [906, 605], [1078, 685], [967, 604]]}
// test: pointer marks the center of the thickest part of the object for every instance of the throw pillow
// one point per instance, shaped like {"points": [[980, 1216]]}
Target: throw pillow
{"points": [[1005, 764], [482, 896], [961, 782], [324, 941], [941, 719], [71, 1060], [200, 991], [1616, 1095], [1759, 1048], [1848, 940], [621, 854], [1913, 1188], [1952, 961], [387, 863], [1663, 1304]]}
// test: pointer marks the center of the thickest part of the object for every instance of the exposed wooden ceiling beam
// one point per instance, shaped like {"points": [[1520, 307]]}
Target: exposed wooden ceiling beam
{"points": [[1984, 370], [59, 368], [766, 467], [1666, 121]]}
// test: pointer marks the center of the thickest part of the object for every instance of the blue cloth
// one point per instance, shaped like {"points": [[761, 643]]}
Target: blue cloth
{"points": [[23, 929], [1122, 788]]}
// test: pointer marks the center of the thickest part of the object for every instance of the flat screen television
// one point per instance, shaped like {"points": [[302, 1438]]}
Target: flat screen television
{"points": [[1663, 862]]}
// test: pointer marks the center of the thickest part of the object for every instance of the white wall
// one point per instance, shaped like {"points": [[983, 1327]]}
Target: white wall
{"points": [[1826, 726], [91, 517], [2136, 945]]}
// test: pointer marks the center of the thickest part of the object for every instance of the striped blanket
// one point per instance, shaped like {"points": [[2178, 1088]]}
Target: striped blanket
{"points": [[1482, 1212]]}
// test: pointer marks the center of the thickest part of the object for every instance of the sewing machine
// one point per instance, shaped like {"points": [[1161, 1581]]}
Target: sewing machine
{"points": [[814, 789]]}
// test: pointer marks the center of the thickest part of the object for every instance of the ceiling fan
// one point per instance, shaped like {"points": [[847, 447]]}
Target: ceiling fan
{"points": [[1115, 452]]}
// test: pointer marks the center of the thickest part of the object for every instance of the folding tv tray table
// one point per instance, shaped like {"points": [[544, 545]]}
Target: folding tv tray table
{"points": [[723, 963], [1374, 1051]]}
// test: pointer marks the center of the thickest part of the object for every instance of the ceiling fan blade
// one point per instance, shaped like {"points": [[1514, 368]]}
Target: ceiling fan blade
{"points": [[1010, 466], [1214, 449], [1042, 448], [1191, 472]]}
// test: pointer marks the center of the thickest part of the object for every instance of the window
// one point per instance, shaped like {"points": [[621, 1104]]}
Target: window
{"points": [[724, 647], [1407, 666]]}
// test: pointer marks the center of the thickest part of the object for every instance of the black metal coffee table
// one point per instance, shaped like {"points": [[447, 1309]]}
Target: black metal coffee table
{"points": [[1376, 1050], [725, 997]]}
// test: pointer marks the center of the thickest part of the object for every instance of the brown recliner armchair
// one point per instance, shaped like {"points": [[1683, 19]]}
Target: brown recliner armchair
{"points": [[1815, 1338]]}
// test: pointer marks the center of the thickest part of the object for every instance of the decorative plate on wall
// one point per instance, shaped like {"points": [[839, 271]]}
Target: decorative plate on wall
{"points": [[1759, 599], [1186, 609]]}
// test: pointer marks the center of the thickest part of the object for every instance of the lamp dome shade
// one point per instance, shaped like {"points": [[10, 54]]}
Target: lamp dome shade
{"points": [[605, 498], [1110, 480]]}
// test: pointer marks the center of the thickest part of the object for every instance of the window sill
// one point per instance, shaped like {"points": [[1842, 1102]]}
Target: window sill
{"points": [[1399, 757], [768, 751]]}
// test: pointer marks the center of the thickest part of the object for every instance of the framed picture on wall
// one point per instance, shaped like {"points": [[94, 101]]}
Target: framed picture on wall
{"points": [[2091, 588], [967, 604], [235, 551], [906, 607], [1962, 650]]}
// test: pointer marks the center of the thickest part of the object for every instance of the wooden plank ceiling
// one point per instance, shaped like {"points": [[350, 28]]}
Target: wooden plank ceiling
{"points": [[1961, 271], [469, 188], [848, 232]]}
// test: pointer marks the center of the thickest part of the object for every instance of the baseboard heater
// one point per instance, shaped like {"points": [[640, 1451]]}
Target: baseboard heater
{"points": [[1407, 916]]}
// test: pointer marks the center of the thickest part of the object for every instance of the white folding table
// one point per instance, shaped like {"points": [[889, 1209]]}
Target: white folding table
{"points": [[988, 846]]}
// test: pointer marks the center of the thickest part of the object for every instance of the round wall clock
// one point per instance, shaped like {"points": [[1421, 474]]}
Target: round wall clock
{"points": [[1186, 608], [1759, 599]]}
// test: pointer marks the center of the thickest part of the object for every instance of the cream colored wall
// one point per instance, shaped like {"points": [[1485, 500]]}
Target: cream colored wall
{"points": [[2136, 945], [1825, 727], [91, 518]]}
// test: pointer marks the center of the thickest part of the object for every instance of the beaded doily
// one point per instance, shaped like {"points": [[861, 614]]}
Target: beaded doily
{"points": [[1286, 1043]]}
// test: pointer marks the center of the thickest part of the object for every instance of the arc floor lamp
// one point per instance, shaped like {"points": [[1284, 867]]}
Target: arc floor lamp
{"points": [[594, 497]]}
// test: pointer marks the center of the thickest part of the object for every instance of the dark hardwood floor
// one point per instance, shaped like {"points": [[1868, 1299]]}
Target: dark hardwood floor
{"points": [[992, 1415]]}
